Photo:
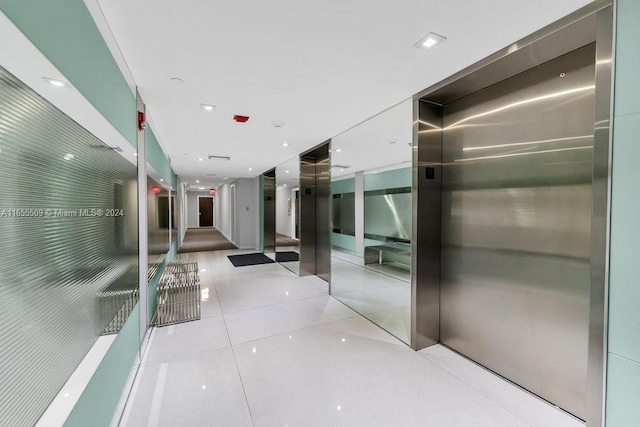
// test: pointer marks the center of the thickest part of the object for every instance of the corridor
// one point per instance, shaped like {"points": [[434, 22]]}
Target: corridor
{"points": [[273, 349]]}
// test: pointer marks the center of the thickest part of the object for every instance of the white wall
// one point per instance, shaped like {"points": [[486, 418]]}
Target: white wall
{"points": [[284, 217], [222, 209], [193, 209], [247, 215]]}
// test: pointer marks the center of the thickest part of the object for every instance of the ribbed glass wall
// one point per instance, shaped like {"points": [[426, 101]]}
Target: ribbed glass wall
{"points": [[69, 262]]}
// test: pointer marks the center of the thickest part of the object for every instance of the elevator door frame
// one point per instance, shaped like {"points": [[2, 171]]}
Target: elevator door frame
{"points": [[592, 23]]}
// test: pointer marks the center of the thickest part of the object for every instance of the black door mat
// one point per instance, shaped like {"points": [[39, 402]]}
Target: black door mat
{"points": [[245, 260], [287, 256]]}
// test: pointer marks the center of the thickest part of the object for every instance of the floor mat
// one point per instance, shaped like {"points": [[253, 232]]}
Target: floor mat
{"points": [[287, 256], [249, 259]]}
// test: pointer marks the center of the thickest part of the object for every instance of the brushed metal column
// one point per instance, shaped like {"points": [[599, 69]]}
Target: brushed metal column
{"points": [[425, 240], [269, 213], [315, 212], [600, 220]]}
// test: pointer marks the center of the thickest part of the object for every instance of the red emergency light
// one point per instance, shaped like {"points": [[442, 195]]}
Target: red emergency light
{"points": [[212, 191], [240, 119], [156, 190]]}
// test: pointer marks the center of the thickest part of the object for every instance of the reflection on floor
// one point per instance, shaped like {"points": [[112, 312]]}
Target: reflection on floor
{"points": [[284, 240], [204, 239], [272, 349], [380, 293]]}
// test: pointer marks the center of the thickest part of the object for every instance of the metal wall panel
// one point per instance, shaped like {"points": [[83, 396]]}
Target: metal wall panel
{"points": [[323, 212], [516, 222], [387, 214], [425, 241], [269, 206], [69, 231], [315, 213]]}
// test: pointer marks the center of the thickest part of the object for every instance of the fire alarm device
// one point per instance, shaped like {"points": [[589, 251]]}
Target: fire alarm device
{"points": [[240, 119], [142, 123]]}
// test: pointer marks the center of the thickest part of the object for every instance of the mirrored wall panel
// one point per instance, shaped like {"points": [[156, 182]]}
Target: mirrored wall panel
{"points": [[288, 214], [69, 262], [371, 219], [158, 217]]}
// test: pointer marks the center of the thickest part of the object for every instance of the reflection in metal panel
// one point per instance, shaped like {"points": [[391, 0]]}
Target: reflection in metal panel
{"points": [[269, 207], [343, 214], [387, 215], [516, 215]]}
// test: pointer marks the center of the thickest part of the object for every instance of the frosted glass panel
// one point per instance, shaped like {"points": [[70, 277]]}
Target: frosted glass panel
{"points": [[68, 225]]}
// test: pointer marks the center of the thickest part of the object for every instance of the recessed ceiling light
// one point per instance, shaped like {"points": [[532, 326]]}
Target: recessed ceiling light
{"points": [[197, 181], [177, 80], [285, 185], [135, 154], [277, 124], [68, 156], [286, 171], [285, 144], [200, 188], [207, 107], [338, 150], [201, 159], [225, 178], [250, 169], [429, 41], [161, 180], [56, 82]]}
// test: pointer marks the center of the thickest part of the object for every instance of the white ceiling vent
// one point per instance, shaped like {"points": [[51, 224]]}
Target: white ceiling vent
{"points": [[212, 157]]}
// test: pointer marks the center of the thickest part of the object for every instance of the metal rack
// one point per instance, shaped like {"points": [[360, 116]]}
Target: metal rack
{"points": [[178, 294]]}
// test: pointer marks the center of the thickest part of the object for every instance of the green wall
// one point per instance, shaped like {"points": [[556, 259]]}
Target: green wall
{"points": [[396, 178], [623, 369], [97, 403], [343, 186], [65, 33], [338, 240]]}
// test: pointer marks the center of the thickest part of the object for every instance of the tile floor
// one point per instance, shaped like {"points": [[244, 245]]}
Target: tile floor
{"points": [[272, 349]]}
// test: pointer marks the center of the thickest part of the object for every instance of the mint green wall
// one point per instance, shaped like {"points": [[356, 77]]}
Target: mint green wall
{"points": [[623, 368], [98, 402], [343, 241], [396, 178], [343, 186], [157, 159], [64, 32]]}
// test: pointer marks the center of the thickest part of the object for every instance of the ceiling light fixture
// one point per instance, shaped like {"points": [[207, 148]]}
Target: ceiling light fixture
{"points": [[285, 144], [250, 169], [225, 178], [161, 180], [56, 82], [286, 171], [207, 107], [338, 150], [197, 181], [200, 188], [277, 124], [176, 80], [429, 41], [201, 159]]}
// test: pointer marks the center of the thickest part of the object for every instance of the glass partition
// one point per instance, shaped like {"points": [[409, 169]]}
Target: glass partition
{"points": [[69, 262], [371, 219], [287, 214]]}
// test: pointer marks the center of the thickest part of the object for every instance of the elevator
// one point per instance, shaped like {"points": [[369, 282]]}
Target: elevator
{"points": [[269, 211], [509, 233], [315, 211]]}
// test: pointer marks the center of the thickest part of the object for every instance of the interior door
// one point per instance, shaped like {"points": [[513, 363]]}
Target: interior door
{"points": [[205, 211]]}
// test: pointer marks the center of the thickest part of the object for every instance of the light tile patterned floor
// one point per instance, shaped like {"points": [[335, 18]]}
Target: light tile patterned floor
{"points": [[273, 350]]}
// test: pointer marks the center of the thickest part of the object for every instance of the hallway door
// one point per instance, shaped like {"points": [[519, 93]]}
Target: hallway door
{"points": [[205, 211]]}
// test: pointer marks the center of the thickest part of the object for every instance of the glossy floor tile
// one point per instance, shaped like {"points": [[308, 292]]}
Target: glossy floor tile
{"points": [[261, 357]]}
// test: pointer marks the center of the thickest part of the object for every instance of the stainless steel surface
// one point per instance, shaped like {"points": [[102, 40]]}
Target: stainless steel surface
{"points": [[516, 222], [387, 215], [288, 211], [315, 211], [425, 240], [569, 33], [269, 207], [600, 221], [178, 297], [323, 212]]}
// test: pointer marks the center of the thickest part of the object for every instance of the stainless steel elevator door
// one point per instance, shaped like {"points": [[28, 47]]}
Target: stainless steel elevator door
{"points": [[516, 216]]}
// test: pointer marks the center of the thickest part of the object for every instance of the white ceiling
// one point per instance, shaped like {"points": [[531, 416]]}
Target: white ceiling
{"points": [[319, 66]]}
